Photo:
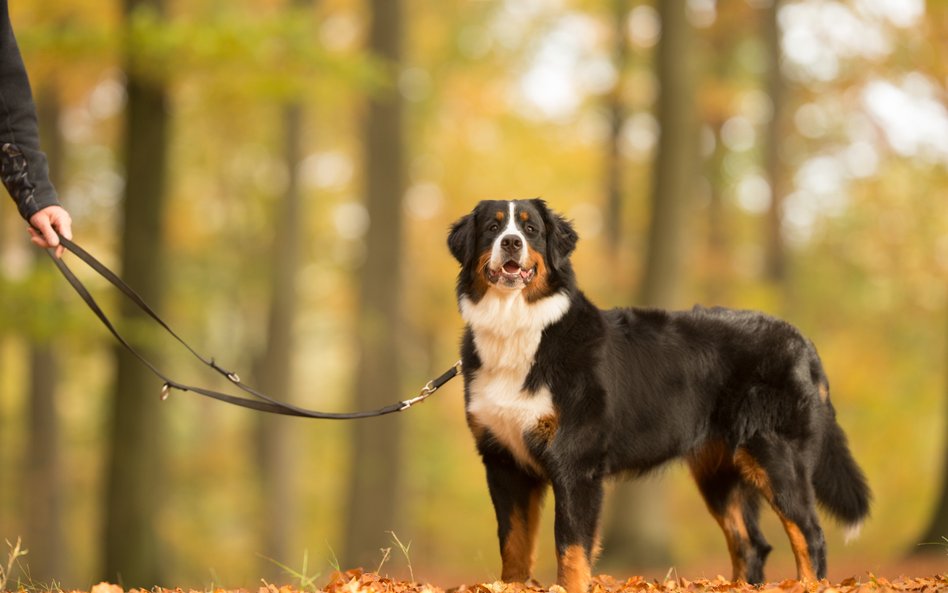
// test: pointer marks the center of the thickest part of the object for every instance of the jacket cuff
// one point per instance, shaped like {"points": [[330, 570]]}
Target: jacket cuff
{"points": [[14, 173]]}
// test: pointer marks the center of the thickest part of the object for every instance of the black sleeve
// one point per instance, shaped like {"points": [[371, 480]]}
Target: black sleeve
{"points": [[23, 166]]}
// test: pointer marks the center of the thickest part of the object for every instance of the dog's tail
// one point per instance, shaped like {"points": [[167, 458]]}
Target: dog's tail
{"points": [[840, 484]]}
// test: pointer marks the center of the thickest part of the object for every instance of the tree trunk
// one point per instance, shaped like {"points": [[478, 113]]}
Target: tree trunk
{"points": [[276, 366], [135, 474], [937, 529], [775, 270], [638, 530], [375, 479], [675, 166], [716, 273], [616, 112], [44, 515]]}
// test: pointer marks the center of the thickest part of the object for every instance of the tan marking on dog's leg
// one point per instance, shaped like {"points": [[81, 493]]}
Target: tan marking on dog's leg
{"points": [[757, 476], [801, 550], [573, 571], [824, 392], [519, 551], [704, 464], [735, 532], [753, 473], [597, 546]]}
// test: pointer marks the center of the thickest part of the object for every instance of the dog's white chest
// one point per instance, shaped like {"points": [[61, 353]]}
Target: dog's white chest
{"points": [[499, 404], [507, 333], [507, 329]]}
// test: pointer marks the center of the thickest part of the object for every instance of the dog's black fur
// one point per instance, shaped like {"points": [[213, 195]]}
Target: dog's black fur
{"points": [[741, 396]]}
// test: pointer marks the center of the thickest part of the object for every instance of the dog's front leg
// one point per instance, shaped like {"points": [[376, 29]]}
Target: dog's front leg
{"points": [[578, 502], [517, 496]]}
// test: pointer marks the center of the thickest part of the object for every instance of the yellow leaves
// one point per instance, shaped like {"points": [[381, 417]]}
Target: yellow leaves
{"points": [[267, 589], [106, 588], [358, 581]]}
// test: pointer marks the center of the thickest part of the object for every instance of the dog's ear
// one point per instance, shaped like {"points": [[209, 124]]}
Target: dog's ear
{"points": [[461, 239], [561, 237]]}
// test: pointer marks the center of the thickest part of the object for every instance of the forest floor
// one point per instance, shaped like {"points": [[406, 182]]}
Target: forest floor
{"points": [[356, 581], [932, 571]]}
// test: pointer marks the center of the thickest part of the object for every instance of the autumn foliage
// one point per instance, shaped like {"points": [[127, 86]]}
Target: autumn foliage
{"points": [[357, 581]]}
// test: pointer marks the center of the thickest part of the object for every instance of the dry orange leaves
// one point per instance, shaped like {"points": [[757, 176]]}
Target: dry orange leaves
{"points": [[357, 581]]}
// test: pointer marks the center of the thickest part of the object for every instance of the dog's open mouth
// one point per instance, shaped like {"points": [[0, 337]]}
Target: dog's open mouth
{"points": [[510, 273]]}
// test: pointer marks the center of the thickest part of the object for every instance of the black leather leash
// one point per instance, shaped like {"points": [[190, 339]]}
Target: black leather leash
{"points": [[263, 403]]}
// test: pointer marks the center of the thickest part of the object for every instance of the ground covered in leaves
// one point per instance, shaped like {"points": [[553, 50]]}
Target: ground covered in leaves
{"points": [[355, 581]]}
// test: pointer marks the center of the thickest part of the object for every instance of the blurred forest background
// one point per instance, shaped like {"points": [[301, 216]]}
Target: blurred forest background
{"points": [[277, 178]]}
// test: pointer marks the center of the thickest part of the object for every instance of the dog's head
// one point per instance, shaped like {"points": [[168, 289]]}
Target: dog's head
{"points": [[517, 245]]}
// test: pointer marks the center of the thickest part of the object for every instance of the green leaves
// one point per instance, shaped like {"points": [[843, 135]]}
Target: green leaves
{"points": [[276, 54]]}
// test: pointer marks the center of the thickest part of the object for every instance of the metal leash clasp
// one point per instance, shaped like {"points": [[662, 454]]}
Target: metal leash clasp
{"points": [[428, 389]]}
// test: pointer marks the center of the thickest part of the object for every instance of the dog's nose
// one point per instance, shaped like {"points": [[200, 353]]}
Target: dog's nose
{"points": [[511, 243]]}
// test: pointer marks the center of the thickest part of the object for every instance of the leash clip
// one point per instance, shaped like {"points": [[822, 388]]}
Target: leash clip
{"points": [[426, 391], [410, 402], [165, 391], [429, 389]]}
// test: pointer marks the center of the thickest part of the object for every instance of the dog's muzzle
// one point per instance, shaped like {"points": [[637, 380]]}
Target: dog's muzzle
{"points": [[511, 274]]}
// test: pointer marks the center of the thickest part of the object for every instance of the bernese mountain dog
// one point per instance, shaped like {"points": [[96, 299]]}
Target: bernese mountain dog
{"points": [[558, 392]]}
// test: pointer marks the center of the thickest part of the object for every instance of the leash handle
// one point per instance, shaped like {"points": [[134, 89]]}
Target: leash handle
{"points": [[263, 403]]}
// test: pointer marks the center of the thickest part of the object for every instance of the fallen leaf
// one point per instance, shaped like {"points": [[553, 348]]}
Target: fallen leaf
{"points": [[106, 588]]}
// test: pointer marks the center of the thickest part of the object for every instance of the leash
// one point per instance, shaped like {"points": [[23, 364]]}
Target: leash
{"points": [[263, 403]]}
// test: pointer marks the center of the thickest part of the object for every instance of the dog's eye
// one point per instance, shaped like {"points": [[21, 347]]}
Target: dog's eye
{"points": [[530, 229], [494, 227]]}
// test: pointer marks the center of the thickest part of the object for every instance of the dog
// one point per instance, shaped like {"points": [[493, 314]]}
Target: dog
{"points": [[560, 393]]}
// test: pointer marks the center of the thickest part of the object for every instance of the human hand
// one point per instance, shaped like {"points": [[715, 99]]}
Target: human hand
{"points": [[47, 225]]}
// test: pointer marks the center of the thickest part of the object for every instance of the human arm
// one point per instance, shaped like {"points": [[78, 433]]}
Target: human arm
{"points": [[23, 165]]}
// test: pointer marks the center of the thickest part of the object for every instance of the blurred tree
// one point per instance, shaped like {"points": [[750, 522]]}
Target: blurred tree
{"points": [[615, 109], [718, 249], [135, 473], [937, 529], [375, 480], [638, 530], [676, 161], [44, 519], [44, 508], [275, 367], [275, 455], [715, 108], [775, 267]]}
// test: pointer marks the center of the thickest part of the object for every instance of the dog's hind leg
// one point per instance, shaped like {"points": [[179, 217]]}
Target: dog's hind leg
{"points": [[759, 548], [719, 482], [779, 471]]}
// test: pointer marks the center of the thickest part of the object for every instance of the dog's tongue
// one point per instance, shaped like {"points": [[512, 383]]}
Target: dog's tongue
{"points": [[511, 267]]}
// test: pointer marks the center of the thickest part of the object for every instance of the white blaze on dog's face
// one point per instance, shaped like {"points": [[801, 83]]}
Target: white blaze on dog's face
{"points": [[508, 266]]}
